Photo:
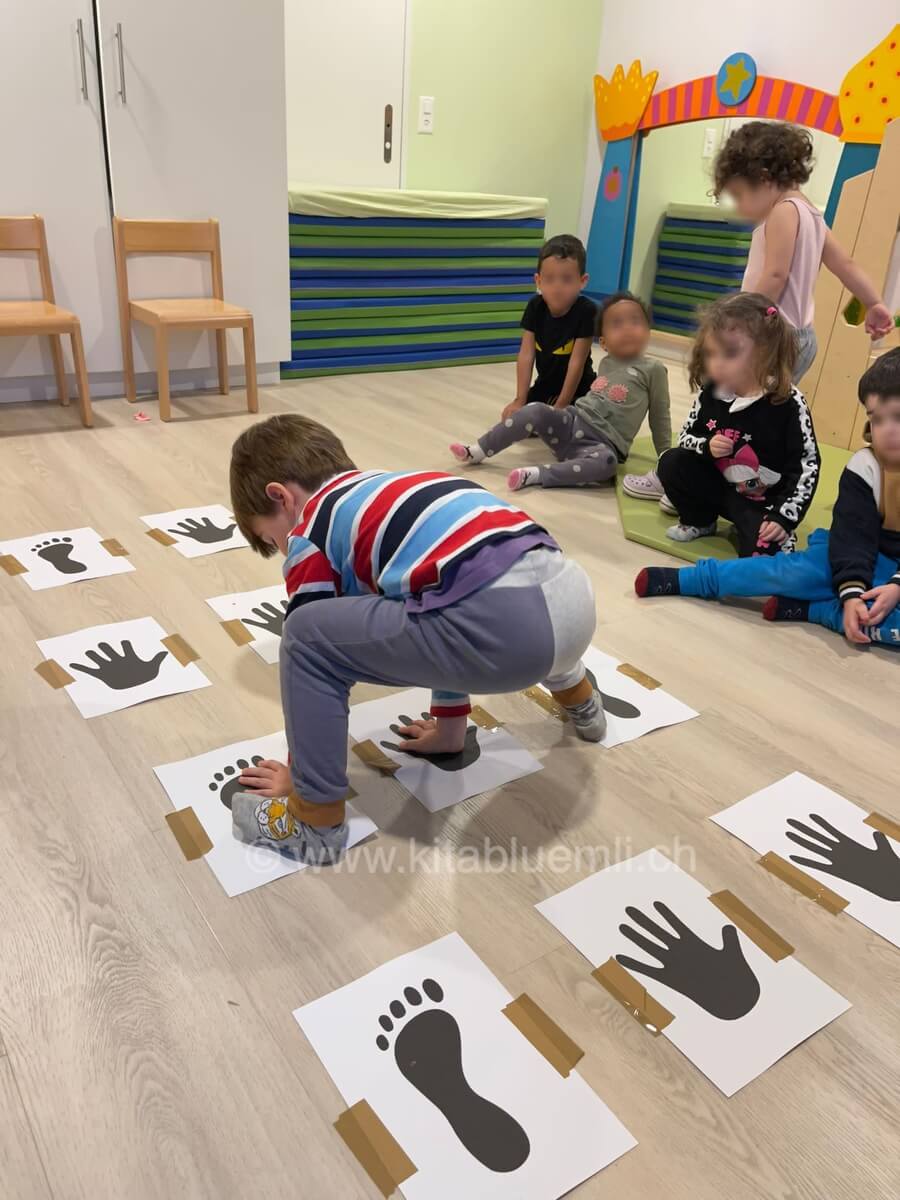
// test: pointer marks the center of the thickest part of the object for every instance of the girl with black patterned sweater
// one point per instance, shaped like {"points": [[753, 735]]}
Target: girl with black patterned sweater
{"points": [[747, 451], [847, 580]]}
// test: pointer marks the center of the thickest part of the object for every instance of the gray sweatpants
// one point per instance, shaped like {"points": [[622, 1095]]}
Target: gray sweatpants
{"points": [[584, 455], [532, 624]]}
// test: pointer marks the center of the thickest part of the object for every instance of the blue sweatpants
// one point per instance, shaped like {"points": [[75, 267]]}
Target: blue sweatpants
{"points": [[803, 575]]}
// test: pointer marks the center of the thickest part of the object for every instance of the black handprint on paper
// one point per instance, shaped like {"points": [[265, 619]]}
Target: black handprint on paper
{"points": [[875, 868], [455, 760], [268, 617], [120, 669], [203, 531], [719, 981]]}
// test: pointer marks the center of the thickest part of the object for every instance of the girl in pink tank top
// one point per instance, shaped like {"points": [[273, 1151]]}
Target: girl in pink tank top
{"points": [[762, 167]]}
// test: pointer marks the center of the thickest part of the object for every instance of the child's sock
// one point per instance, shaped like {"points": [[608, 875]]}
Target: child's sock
{"points": [[260, 821], [463, 453], [585, 707], [689, 533], [522, 477], [657, 581], [784, 608]]}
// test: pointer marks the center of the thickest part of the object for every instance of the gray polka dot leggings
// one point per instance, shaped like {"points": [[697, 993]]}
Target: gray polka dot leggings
{"points": [[584, 456]]}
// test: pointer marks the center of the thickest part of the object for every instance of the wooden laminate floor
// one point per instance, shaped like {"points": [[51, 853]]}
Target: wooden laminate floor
{"points": [[148, 1049]]}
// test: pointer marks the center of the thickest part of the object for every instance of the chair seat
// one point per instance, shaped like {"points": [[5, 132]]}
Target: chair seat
{"points": [[202, 311], [35, 316]]}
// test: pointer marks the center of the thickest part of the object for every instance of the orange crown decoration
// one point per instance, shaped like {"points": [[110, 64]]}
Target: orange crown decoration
{"points": [[620, 101], [870, 94]]}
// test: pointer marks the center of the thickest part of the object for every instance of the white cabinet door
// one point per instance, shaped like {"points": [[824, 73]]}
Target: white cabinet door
{"points": [[53, 164], [195, 118], [343, 64]]}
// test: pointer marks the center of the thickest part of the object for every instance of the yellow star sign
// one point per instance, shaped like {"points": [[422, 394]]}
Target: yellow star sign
{"points": [[736, 75]]}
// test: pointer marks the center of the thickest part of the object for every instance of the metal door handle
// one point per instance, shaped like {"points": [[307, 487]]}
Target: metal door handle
{"points": [[121, 49], [388, 138], [79, 29]]}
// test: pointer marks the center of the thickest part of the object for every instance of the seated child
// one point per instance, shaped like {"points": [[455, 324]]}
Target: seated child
{"points": [[591, 436], [400, 578], [558, 326], [747, 450], [848, 580]]}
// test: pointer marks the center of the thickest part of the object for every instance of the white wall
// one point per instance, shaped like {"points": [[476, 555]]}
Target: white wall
{"points": [[808, 41]]}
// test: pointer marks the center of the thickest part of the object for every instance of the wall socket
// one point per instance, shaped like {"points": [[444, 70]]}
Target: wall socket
{"points": [[426, 114], [710, 137]]}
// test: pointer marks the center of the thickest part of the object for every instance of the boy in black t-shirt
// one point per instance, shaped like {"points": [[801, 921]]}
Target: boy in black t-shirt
{"points": [[559, 326]]}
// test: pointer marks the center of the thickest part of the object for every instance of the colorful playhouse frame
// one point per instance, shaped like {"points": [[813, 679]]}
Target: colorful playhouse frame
{"points": [[866, 182]]}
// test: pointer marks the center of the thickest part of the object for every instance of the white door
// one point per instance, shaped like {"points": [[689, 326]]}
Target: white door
{"points": [[195, 117], [343, 66], [53, 164]]}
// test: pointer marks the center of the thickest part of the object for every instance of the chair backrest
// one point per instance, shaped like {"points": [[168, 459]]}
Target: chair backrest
{"points": [[28, 233], [167, 237]]}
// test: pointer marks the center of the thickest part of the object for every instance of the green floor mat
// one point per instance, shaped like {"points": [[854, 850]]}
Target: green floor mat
{"points": [[644, 521]]}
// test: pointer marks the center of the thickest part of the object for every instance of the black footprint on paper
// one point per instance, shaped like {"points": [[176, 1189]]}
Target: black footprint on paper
{"points": [[229, 787], [57, 552], [428, 1051], [613, 704], [457, 760]]}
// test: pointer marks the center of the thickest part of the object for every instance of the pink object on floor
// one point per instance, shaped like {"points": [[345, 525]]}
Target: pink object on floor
{"points": [[142, 416]]}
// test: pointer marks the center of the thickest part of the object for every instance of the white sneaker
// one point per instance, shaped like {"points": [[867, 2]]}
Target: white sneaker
{"points": [[589, 718], [667, 506], [643, 487], [689, 533]]}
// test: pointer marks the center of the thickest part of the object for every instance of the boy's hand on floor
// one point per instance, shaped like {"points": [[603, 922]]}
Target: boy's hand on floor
{"points": [[856, 614], [771, 531], [510, 409], [444, 736], [884, 600], [267, 778]]}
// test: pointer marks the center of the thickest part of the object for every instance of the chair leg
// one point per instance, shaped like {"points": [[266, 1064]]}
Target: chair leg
{"points": [[250, 367], [162, 372], [59, 368], [128, 361], [222, 355], [84, 394]]}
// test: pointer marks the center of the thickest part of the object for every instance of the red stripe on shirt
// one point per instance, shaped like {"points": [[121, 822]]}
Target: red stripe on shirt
{"points": [[427, 572], [314, 569], [373, 517]]}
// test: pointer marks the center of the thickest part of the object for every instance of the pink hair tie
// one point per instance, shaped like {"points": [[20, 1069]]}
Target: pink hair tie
{"points": [[771, 311]]}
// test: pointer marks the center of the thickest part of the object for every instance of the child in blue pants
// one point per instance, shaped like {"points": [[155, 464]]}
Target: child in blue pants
{"points": [[847, 580]]}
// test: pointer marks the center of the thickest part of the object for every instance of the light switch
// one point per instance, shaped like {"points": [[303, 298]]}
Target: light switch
{"points": [[709, 141], [426, 114]]}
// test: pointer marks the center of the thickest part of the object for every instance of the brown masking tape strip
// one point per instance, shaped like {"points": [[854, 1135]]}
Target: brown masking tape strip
{"points": [[179, 649], [376, 1150], [545, 701], [163, 538], [623, 986], [754, 927], [237, 631], [544, 1034], [11, 565], [884, 825], [483, 718], [803, 883], [114, 547], [51, 672], [638, 676], [370, 754], [190, 835]]}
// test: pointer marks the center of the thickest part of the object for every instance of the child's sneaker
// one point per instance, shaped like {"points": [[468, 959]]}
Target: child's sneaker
{"points": [[657, 581], [588, 718], [689, 533], [520, 477], [667, 506], [467, 454], [260, 821], [785, 608], [643, 487]]}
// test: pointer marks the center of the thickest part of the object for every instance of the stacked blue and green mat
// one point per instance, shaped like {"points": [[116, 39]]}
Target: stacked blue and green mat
{"points": [[392, 293], [701, 255]]}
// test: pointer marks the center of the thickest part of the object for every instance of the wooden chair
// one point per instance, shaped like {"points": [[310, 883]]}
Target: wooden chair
{"points": [[179, 237], [21, 318]]}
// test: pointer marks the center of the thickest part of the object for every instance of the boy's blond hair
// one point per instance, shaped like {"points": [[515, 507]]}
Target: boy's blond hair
{"points": [[283, 449]]}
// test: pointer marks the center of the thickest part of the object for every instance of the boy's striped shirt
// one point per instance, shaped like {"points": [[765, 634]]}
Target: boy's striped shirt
{"points": [[393, 534]]}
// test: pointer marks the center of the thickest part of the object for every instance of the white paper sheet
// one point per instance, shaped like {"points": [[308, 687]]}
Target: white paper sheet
{"points": [[64, 556], [491, 758], [631, 709], [207, 782], [262, 614], [130, 666], [545, 1134], [860, 864], [733, 1024], [201, 530]]}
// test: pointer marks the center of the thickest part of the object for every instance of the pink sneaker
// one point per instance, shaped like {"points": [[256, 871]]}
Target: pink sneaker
{"points": [[643, 487]]}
